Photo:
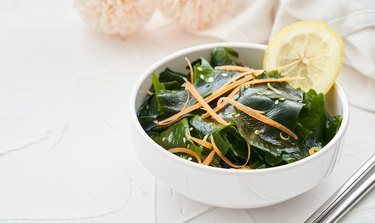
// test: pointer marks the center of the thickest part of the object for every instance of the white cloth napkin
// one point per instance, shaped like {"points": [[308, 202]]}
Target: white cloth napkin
{"points": [[257, 21]]}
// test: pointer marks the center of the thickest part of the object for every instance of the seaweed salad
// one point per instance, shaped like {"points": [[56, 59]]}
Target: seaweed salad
{"points": [[220, 113]]}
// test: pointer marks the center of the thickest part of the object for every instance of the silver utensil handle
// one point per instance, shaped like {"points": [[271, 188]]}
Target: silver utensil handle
{"points": [[351, 200], [359, 184]]}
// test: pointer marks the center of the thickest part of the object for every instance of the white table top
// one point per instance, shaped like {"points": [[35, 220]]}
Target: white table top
{"points": [[65, 147]]}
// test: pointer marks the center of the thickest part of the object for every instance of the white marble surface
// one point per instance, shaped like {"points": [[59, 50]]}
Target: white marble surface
{"points": [[65, 152]]}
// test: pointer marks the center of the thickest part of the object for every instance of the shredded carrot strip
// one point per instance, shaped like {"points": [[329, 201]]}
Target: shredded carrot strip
{"points": [[274, 80], [238, 77], [245, 168], [235, 78], [225, 159], [204, 104], [209, 158], [259, 117], [227, 88], [213, 96], [259, 81], [243, 74], [191, 71], [243, 69], [222, 105], [201, 142], [235, 68], [234, 92], [166, 122], [222, 91], [187, 151], [286, 66], [248, 154], [176, 116]]}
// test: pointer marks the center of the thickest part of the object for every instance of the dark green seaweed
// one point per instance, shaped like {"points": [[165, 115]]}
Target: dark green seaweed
{"points": [[302, 112]]}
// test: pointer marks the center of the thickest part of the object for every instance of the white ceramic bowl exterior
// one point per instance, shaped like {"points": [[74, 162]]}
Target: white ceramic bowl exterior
{"points": [[229, 187]]}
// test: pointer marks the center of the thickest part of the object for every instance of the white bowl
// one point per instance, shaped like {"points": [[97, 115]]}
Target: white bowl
{"points": [[233, 188]]}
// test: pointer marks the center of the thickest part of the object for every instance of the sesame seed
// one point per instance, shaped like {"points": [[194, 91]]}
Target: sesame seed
{"points": [[276, 102], [224, 74], [191, 128], [202, 76], [163, 139], [184, 139], [210, 79], [199, 68], [190, 158]]}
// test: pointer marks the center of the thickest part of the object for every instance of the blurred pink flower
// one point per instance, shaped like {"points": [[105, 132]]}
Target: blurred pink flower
{"points": [[194, 14], [116, 17]]}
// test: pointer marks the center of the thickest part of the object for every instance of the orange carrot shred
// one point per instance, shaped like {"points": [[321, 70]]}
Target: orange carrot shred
{"points": [[176, 116], [222, 105], [245, 168], [191, 71], [204, 104], [286, 66], [273, 80], [235, 68], [187, 151], [201, 142], [221, 91], [225, 159], [213, 96], [238, 77], [259, 117], [166, 122], [227, 88], [209, 158], [235, 78]]}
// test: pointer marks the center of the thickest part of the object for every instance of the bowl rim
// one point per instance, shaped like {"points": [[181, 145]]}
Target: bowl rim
{"points": [[133, 110]]}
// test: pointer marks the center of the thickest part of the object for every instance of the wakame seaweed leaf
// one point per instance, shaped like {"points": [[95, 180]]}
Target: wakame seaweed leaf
{"points": [[202, 128], [156, 83], [312, 118], [223, 56], [169, 75], [171, 102], [231, 144], [331, 127], [232, 52], [263, 136], [203, 70], [177, 135], [148, 112], [172, 85], [303, 113]]}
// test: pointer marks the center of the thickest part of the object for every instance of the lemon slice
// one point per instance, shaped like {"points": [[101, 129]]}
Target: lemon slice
{"points": [[308, 49]]}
